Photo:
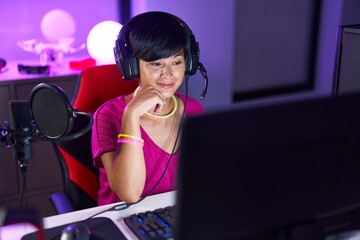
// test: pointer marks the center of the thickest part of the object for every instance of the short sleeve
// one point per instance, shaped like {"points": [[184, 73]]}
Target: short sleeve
{"points": [[106, 126]]}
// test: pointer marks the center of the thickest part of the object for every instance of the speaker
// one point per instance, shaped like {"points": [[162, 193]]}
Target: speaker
{"points": [[128, 63]]}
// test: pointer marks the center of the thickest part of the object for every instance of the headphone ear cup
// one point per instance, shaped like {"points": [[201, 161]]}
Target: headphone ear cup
{"points": [[125, 61], [192, 60], [132, 68]]}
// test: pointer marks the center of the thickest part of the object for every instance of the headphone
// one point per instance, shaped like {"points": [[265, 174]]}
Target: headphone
{"points": [[128, 63]]}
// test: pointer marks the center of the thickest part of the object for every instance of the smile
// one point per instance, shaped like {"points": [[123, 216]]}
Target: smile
{"points": [[166, 85]]}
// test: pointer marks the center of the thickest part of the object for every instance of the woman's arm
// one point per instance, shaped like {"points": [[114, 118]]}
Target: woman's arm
{"points": [[125, 168]]}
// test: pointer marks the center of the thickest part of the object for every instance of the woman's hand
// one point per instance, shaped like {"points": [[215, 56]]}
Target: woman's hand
{"points": [[146, 98]]}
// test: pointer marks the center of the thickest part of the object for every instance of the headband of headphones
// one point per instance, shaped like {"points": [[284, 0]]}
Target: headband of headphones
{"points": [[128, 63]]}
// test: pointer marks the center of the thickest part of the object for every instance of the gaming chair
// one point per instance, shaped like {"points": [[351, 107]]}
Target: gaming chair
{"points": [[95, 86]]}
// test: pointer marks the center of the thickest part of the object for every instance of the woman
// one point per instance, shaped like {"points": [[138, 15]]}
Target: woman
{"points": [[136, 137]]}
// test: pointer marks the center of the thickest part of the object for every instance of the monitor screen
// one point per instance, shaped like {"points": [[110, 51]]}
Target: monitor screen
{"points": [[347, 71], [283, 170]]}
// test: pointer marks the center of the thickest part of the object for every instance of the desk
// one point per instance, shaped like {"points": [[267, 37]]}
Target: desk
{"points": [[15, 232]]}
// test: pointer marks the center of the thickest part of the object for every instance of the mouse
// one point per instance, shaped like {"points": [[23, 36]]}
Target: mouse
{"points": [[76, 231]]}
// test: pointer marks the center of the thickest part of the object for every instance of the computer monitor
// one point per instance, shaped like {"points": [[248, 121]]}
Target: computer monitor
{"points": [[281, 171], [347, 71]]}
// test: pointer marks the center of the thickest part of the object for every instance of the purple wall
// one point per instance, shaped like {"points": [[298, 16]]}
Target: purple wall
{"points": [[20, 20]]}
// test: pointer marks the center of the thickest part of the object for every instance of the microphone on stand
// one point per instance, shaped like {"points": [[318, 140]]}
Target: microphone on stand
{"points": [[47, 115]]}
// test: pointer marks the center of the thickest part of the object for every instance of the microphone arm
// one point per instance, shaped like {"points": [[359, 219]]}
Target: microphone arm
{"points": [[81, 132]]}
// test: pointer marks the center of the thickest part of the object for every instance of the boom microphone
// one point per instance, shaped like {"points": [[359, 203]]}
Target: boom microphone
{"points": [[205, 76]]}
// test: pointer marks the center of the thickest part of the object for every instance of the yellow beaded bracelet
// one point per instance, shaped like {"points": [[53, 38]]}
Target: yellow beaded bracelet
{"points": [[123, 135]]}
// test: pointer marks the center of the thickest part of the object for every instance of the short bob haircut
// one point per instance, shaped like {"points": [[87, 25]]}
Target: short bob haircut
{"points": [[157, 35]]}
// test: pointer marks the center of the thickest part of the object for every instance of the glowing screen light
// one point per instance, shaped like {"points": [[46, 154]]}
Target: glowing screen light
{"points": [[101, 41]]}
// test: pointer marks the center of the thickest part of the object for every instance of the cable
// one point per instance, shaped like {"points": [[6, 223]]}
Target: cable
{"points": [[124, 206], [173, 150], [23, 171]]}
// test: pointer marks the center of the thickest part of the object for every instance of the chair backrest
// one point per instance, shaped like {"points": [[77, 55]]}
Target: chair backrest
{"points": [[95, 86]]}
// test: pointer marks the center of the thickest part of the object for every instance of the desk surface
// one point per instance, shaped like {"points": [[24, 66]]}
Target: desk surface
{"points": [[16, 231]]}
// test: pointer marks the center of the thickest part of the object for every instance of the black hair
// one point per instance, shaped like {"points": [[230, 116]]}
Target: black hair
{"points": [[157, 35]]}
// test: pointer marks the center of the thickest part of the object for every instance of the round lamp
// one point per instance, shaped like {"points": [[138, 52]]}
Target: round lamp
{"points": [[57, 24], [101, 41]]}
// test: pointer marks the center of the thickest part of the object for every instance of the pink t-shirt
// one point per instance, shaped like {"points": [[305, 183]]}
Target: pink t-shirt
{"points": [[106, 127]]}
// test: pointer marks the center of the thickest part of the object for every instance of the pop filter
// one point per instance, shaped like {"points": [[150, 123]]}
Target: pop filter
{"points": [[53, 114]]}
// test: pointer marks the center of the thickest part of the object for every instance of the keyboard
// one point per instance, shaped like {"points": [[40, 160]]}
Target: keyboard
{"points": [[154, 224]]}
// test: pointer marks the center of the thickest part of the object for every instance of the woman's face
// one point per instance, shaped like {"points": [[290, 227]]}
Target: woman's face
{"points": [[165, 75]]}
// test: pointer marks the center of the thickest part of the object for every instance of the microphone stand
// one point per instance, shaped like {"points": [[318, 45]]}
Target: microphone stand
{"points": [[22, 150], [21, 140]]}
